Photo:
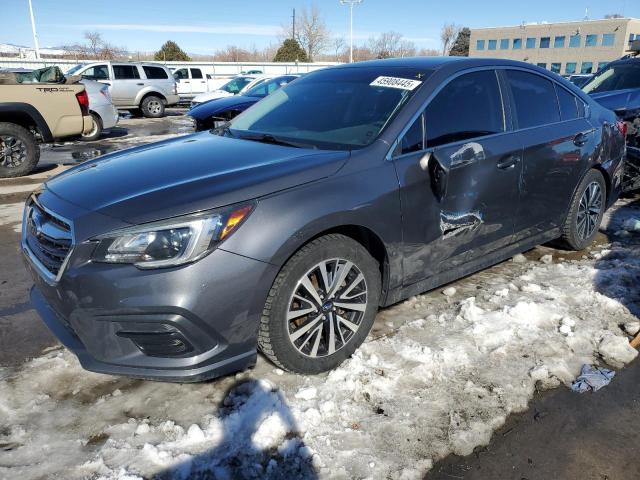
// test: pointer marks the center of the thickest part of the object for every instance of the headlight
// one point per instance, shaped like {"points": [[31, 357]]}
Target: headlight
{"points": [[170, 242]]}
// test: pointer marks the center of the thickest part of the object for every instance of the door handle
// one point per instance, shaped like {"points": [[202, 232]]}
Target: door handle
{"points": [[140, 84], [580, 139], [186, 81], [508, 163]]}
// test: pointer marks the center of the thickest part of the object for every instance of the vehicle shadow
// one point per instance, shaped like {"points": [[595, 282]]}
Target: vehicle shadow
{"points": [[252, 419], [618, 275]]}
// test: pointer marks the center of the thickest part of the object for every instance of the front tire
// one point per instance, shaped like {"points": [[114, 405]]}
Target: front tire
{"points": [[152, 107], [586, 211], [19, 151], [321, 306], [96, 131]]}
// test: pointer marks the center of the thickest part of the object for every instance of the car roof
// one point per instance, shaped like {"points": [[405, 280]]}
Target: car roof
{"points": [[435, 63]]}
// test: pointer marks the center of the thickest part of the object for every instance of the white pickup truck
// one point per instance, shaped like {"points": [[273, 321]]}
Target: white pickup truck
{"points": [[193, 81]]}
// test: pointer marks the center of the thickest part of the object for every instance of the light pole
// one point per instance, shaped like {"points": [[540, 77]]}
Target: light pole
{"points": [[35, 35], [351, 4]]}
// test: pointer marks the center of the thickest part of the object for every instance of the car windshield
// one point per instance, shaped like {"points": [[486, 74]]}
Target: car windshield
{"points": [[339, 109], [621, 76], [267, 87], [235, 85], [72, 70]]}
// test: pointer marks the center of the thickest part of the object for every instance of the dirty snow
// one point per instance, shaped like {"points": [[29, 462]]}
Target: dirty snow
{"points": [[11, 214], [442, 379]]}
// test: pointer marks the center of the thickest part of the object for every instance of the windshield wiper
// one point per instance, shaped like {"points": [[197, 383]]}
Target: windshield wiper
{"points": [[268, 138]]}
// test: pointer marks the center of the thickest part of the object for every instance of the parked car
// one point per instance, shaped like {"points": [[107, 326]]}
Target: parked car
{"points": [[192, 81], [213, 113], [139, 87], [580, 79], [37, 112], [101, 108], [352, 188], [235, 86], [617, 87]]}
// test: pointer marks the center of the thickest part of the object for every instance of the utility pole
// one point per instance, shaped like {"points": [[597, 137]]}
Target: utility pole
{"points": [[35, 35], [293, 24], [351, 4]]}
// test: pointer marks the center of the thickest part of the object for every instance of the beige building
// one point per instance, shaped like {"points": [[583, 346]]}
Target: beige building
{"points": [[566, 48]]}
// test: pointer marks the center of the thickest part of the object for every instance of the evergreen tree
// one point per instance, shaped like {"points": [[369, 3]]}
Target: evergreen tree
{"points": [[460, 47], [170, 51], [291, 51]]}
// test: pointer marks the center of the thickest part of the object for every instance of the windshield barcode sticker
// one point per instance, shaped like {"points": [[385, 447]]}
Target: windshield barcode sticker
{"points": [[395, 82]]}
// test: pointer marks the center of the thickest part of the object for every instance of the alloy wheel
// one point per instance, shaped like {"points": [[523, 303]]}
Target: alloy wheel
{"points": [[589, 210], [327, 307], [13, 151], [154, 107]]}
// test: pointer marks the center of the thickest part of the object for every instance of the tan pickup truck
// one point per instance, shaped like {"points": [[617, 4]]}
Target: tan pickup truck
{"points": [[37, 112]]}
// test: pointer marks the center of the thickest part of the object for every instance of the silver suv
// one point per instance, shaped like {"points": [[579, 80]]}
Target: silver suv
{"points": [[139, 87]]}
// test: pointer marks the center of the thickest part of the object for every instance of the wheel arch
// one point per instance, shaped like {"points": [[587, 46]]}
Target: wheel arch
{"points": [[150, 93], [26, 116], [366, 237]]}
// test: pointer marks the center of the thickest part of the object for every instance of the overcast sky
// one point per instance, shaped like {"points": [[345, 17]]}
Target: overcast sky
{"points": [[203, 26]]}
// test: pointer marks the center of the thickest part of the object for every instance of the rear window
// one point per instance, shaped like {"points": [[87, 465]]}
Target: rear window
{"points": [[155, 73], [534, 98], [469, 106], [568, 104], [621, 76], [125, 72]]}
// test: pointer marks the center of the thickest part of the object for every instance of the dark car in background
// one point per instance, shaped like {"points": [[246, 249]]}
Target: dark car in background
{"points": [[214, 113], [617, 87], [352, 188]]}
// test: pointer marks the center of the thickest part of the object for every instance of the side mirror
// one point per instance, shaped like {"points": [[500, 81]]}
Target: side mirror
{"points": [[438, 174]]}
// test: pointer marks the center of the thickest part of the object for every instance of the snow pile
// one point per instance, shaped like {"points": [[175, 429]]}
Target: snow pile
{"points": [[444, 376]]}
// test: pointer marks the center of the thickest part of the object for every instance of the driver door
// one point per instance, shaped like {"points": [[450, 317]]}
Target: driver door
{"points": [[458, 172]]}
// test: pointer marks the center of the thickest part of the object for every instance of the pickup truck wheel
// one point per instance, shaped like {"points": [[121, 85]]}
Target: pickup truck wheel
{"points": [[19, 152], [96, 131], [152, 107], [321, 306]]}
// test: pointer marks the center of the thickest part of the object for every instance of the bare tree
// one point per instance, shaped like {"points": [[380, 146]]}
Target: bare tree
{"points": [[338, 45], [94, 48], [448, 34], [233, 53], [391, 44], [311, 31], [429, 52]]}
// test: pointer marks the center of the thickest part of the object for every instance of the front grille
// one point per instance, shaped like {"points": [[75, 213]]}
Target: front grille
{"points": [[48, 237]]}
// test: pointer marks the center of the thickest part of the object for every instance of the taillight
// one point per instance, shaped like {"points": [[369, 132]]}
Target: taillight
{"points": [[83, 101], [622, 127]]}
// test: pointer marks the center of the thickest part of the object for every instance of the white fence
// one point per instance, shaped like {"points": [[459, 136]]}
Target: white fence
{"points": [[216, 69]]}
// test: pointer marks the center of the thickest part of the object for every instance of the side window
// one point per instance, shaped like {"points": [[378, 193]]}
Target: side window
{"points": [[413, 139], [534, 98], [99, 72], [470, 106], [125, 72], [196, 73], [568, 104], [181, 74], [153, 73]]}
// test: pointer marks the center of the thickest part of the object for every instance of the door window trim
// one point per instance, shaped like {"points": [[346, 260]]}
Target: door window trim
{"points": [[506, 121], [556, 84]]}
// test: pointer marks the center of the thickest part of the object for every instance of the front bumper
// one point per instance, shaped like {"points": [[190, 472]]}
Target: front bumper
{"points": [[184, 324]]}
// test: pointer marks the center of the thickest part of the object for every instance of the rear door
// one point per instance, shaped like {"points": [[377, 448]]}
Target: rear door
{"points": [[459, 188], [556, 139], [183, 81], [126, 84], [198, 82]]}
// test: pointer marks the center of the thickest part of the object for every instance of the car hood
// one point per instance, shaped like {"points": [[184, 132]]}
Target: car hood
{"points": [[205, 97], [619, 100], [189, 174], [214, 107]]}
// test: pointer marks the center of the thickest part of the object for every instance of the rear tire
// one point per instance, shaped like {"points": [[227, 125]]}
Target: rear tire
{"points": [[19, 151], [152, 107], [341, 308], [96, 132], [586, 211]]}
